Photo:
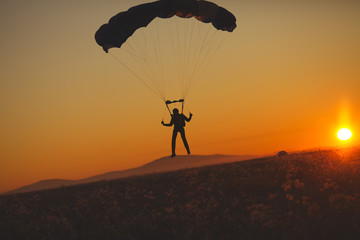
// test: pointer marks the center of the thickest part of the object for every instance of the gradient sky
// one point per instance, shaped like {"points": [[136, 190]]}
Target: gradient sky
{"points": [[286, 79]]}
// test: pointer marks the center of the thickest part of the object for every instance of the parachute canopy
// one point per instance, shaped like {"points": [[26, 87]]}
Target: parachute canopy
{"points": [[124, 24]]}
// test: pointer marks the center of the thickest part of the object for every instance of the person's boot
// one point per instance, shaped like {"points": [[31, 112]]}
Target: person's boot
{"points": [[173, 155]]}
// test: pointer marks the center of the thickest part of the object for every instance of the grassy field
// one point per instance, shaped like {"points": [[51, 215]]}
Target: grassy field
{"points": [[312, 195]]}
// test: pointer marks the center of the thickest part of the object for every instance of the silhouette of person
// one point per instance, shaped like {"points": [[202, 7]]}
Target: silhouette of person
{"points": [[178, 120]]}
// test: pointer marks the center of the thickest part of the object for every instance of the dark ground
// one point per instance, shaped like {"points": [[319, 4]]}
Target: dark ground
{"points": [[313, 195]]}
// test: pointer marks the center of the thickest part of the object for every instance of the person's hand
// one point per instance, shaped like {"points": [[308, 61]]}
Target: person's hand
{"points": [[191, 114], [162, 122]]}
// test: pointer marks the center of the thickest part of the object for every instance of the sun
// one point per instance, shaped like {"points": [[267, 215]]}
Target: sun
{"points": [[344, 134]]}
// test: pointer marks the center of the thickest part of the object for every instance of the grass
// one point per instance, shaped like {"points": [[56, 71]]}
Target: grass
{"points": [[311, 195]]}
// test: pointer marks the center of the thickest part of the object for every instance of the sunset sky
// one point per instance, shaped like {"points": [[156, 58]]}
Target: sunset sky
{"points": [[288, 78]]}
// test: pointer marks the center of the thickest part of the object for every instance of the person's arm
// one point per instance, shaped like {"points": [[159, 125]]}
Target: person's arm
{"points": [[167, 124], [189, 118]]}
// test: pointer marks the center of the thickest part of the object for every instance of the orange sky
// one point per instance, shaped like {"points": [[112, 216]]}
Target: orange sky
{"points": [[286, 79]]}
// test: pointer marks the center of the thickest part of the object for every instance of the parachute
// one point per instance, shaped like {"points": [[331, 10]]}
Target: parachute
{"points": [[191, 47], [124, 24]]}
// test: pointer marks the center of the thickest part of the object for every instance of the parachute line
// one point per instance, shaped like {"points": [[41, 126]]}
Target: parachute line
{"points": [[137, 76], [198, 58], [207, 59]]}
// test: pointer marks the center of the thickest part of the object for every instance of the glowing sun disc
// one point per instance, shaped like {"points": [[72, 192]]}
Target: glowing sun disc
{"points": [[344, 134]]}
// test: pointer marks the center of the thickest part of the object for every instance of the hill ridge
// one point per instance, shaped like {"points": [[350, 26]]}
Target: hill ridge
{"points": [[163, 164]]}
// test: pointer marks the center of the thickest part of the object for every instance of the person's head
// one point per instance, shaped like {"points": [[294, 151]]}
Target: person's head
{"points": [[176, 111]]}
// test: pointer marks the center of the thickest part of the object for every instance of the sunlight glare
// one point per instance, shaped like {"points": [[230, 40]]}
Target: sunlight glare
{"points": [[344, 134]]}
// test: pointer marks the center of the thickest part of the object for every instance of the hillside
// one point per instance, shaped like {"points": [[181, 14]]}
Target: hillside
{"points": [[312, 195], [164, 164]]}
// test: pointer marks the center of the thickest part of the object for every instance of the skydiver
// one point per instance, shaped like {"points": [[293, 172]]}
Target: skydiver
{"points": [[178, 120]]}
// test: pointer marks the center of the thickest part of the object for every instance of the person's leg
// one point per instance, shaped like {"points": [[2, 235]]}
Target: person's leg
{"points": [[182, 132], [173, 142]]}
